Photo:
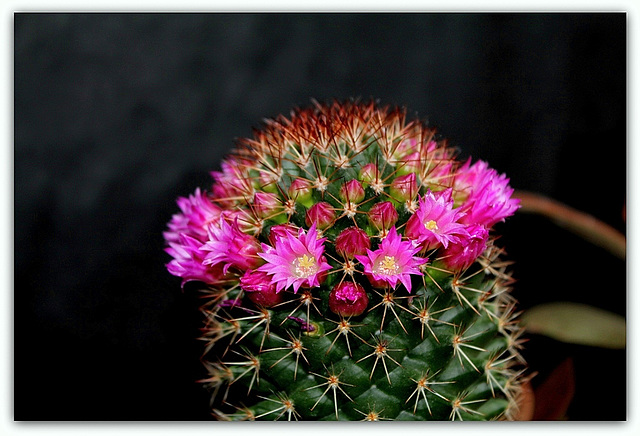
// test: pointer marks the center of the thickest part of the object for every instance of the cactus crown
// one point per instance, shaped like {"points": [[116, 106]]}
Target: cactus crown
{"points": [[351, 273]]}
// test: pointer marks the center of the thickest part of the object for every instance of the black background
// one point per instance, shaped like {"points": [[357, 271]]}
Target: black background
{"points": [[118, 114]]}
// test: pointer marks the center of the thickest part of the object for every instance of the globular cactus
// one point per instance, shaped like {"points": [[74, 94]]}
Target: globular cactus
{"points": [[350, 272]]}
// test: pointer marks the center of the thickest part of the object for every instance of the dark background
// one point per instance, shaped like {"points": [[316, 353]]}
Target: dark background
{"points": [[117, 115]]}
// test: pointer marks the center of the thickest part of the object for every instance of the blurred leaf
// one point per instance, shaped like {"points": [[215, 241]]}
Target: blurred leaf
{"points": [[554, 395], [526, 403], [577, 323]]}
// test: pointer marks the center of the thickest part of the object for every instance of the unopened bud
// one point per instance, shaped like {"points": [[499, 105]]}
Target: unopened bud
{"points": [[404, 188], [408, 164], [352, 191], [462, 253], [322, 214], [369, 174], [406, 147], [378, 284], [266, 204], [352, 241], [383, 215], [267, 181], [348, 299], [259, 288], [300, 191], [278, 231]]}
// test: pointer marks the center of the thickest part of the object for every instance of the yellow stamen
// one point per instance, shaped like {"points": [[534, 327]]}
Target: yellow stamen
{"points": [[388, 266], [305, 266], [431, 225]]}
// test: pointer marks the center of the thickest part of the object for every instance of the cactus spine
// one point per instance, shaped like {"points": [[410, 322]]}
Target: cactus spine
{"points": [[350, 272]]}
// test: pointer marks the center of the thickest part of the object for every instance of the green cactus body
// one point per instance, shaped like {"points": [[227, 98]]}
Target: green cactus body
{"points": [[440, 342]]}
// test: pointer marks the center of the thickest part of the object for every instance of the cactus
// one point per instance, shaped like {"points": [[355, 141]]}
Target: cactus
{"points": [[349, 272]]}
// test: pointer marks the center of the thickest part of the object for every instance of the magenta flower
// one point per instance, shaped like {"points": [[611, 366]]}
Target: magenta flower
{"points": [[436, 221], [393, 261], [243, 219], [196, 212], [462, 253], [229, 246], [489, 194], [188, 260], [295, 260]]}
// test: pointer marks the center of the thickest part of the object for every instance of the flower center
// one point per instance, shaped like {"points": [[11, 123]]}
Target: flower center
{"points": [[305, 266], [388, 266], [431, 225]]}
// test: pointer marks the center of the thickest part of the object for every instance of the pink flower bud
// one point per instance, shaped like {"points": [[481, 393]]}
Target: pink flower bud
{"points": [[461, 254], [383, 215], [259, 288], [300, 190], [406, 147], [278, 231], [266, 204], [322, 214], [352, 191], [404, 188], [352, 241], [369, 173], [375, 283], [221, 195], [348, 299], [267, 181], [409, 164]]}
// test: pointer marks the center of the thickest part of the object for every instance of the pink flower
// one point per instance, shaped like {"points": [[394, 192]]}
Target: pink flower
{"points": [[196, 212], [231, 247], [295, 260], [435, 222], [462, 253], [489, 194], [187, 262], [242, 218], [352, 241], [393, 261]]}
